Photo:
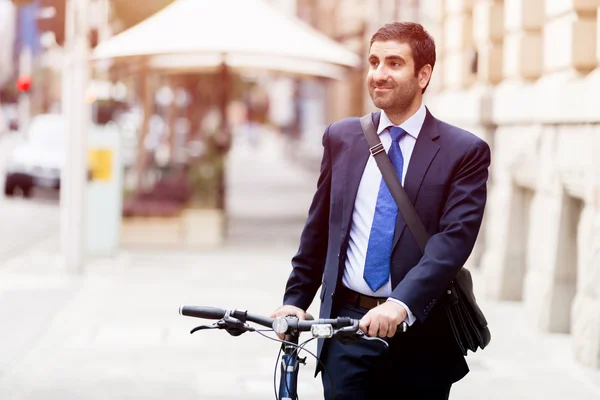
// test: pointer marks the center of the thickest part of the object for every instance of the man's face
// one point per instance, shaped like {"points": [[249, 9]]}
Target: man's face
{"points": [[392, 83]]}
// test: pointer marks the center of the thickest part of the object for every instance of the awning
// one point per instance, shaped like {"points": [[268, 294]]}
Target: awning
{"points": [[177, 64], [196, 34]]}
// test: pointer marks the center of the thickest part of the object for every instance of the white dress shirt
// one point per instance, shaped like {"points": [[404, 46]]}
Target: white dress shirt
{"points": [[364, 207]]}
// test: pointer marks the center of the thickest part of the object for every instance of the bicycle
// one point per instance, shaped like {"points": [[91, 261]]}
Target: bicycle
{"points": [[235, 322]]}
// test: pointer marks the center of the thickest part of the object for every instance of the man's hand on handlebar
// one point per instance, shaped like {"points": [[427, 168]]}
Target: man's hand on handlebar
{"points": [[286, 310], [383, 320]]}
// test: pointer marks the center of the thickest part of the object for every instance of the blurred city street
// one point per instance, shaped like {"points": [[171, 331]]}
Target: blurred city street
{"points": [[114, 332], [161, 153]]}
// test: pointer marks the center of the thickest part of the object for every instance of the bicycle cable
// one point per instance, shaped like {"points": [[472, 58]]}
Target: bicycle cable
{"points": [[298, 355], [275, 374], [299, 347], [322, 366]]}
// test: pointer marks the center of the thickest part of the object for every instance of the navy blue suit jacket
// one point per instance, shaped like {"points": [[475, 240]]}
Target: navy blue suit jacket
{"points": [[446, 181]]}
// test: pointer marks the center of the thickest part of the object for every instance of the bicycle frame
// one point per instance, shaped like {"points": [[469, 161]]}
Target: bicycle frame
{"points": [[290, 366]]}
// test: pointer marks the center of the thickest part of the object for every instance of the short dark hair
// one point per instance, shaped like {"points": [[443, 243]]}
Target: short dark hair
{"points": [[420, 41]]}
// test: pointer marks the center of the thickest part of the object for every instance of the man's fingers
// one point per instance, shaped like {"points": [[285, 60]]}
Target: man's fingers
{"points": [[383, 329], [392, 331], [284, 311], [374, 328], [364, 323]]}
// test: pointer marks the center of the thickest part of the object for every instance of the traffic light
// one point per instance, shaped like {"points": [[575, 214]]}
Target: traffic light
{"points": [[24, 83], [51, 18]]}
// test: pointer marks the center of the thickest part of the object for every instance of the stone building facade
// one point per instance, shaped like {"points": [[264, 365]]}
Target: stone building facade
{"points": [[525, 76]]}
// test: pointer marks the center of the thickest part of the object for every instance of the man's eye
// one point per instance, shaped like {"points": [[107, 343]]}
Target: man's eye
{"points": [[374, 63], [395, 64]]}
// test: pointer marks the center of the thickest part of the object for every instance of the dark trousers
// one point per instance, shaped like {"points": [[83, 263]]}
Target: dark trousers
{"points": [[364, 370]]}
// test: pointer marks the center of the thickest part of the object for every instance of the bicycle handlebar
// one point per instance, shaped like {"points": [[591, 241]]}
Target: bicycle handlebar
{"points": [[202, 312], [318, 327], [301, 325]]}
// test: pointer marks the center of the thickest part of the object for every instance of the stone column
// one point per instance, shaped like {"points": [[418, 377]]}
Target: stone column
{"points": [[488, 32], [471, 53], [523, 38], [514, 172], [514, 149], [455, 56], [570, 35], [459, 47], [522, 61], [569, 43], [548, 208], [431, 16], [488, 35], [585, 319]]}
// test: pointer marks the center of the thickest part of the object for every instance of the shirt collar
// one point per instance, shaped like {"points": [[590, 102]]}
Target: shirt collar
{"points": [[412, 126]]}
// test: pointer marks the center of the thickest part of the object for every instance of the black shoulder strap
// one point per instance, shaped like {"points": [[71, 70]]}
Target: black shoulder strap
{"points": [[393, 183]]}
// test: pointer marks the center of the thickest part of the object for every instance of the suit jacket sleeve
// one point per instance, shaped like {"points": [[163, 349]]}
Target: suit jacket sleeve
{"points": [[309, 262], [447, 251]]}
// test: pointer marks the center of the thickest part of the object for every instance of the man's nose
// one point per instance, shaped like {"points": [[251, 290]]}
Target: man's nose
{"points": [[381, 75]]}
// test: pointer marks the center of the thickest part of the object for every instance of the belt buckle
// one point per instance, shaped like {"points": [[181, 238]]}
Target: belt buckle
{"points": [[380, 301]]}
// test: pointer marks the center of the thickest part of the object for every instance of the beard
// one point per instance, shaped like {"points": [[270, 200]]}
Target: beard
{"points": [[398, 98]]}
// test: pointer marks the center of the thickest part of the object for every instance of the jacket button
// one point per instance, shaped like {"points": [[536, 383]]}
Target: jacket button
{"points": [[332, 295]]}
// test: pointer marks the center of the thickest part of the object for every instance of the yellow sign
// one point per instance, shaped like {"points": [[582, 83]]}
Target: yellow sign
{"points": [[100, 164]]}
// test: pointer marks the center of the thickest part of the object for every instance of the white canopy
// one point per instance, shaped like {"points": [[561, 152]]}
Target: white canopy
{"points": [[245, 62], [197, 34]]}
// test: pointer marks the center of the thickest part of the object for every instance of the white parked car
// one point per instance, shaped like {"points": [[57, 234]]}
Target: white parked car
{"points": [[38, 161]]}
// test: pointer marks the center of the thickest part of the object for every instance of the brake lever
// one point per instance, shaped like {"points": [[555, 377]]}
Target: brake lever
{"points": [[364, 336], [232, 325], [201, 327], [349, 333]]}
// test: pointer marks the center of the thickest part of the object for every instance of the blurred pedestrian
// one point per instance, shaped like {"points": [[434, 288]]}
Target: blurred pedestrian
{"points": [[257, 108], [357, 248]]}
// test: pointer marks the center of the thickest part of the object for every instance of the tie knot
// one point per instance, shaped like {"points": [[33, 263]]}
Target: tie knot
{"points": [[397, 133]]}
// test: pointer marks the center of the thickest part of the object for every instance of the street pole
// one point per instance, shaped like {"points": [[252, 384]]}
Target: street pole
{"points": [[24, 105], [77, 112]]}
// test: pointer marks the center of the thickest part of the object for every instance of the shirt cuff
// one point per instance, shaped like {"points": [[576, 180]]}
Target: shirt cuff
{"points": [[410, 318]]}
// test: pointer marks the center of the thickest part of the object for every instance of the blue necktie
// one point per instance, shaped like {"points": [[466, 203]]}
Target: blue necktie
{"points": [[379, 250]]}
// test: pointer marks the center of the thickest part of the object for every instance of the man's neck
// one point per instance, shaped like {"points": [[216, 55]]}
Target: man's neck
{"points": [[399, 117]]}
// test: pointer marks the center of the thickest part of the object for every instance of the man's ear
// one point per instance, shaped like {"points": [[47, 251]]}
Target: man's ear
{"points": [[424, 75]]}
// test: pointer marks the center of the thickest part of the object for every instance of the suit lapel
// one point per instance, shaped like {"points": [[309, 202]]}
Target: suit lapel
{"points": [[355, 162], [425, 150]]}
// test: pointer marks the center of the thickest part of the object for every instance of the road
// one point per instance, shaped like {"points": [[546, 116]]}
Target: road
{"points": [[24, 222]]}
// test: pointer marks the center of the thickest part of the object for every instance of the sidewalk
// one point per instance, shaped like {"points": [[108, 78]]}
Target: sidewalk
{"points": [[115, 332]]}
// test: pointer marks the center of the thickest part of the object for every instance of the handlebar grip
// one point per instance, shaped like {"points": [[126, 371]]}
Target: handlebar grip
{"points": [[202, 312], [403, 326]]}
